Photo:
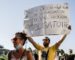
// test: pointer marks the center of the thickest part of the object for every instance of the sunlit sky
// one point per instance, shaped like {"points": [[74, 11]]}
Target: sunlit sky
{"points": [[12, 18]]}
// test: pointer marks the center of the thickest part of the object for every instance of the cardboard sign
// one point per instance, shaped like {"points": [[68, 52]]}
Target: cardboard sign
{"points": [[49, 19]]}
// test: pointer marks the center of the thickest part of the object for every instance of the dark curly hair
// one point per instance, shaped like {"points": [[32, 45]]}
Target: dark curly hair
{"points": [[21, 35]]}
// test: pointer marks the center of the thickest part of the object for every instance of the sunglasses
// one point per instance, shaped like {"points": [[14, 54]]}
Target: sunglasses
{"points": [[15, 39]]}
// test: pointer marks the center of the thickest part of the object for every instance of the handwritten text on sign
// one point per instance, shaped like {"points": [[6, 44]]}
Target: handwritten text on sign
{"points": [[47, 19]]}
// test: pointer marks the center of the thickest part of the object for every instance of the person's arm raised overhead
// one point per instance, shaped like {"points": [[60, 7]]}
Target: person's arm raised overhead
{"points": [[61, 40], [64, 36], [36, 45]]}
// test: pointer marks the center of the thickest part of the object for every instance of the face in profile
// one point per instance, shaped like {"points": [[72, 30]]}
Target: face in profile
{"points": [[17, 42]]}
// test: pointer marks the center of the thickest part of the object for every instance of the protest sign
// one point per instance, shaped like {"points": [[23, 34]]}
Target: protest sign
{"points": [[52, 19]]}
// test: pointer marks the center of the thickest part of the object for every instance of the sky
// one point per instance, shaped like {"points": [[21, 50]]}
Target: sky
{"points": [[12, 19]]}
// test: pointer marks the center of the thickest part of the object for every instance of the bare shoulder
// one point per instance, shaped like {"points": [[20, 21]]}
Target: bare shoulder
{"points": [[29, 55]]}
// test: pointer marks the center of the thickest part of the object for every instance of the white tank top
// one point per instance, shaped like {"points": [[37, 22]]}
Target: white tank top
{"points": [[23, 58]]}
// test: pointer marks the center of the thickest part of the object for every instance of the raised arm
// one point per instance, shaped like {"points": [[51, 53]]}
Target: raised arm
{"points": [[64, 36], [37, 46], [61, 40]]}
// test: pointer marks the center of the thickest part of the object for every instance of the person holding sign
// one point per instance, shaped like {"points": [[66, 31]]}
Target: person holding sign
{"points": [[48, 53]]}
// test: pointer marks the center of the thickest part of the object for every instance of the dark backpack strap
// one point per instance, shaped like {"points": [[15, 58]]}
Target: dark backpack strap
{"points": [[25, 52], [9, 55], [22, 54]]}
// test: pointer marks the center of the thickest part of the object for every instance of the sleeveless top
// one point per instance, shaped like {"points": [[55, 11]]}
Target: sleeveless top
{"points": [[12, 57], [23, 58]]}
